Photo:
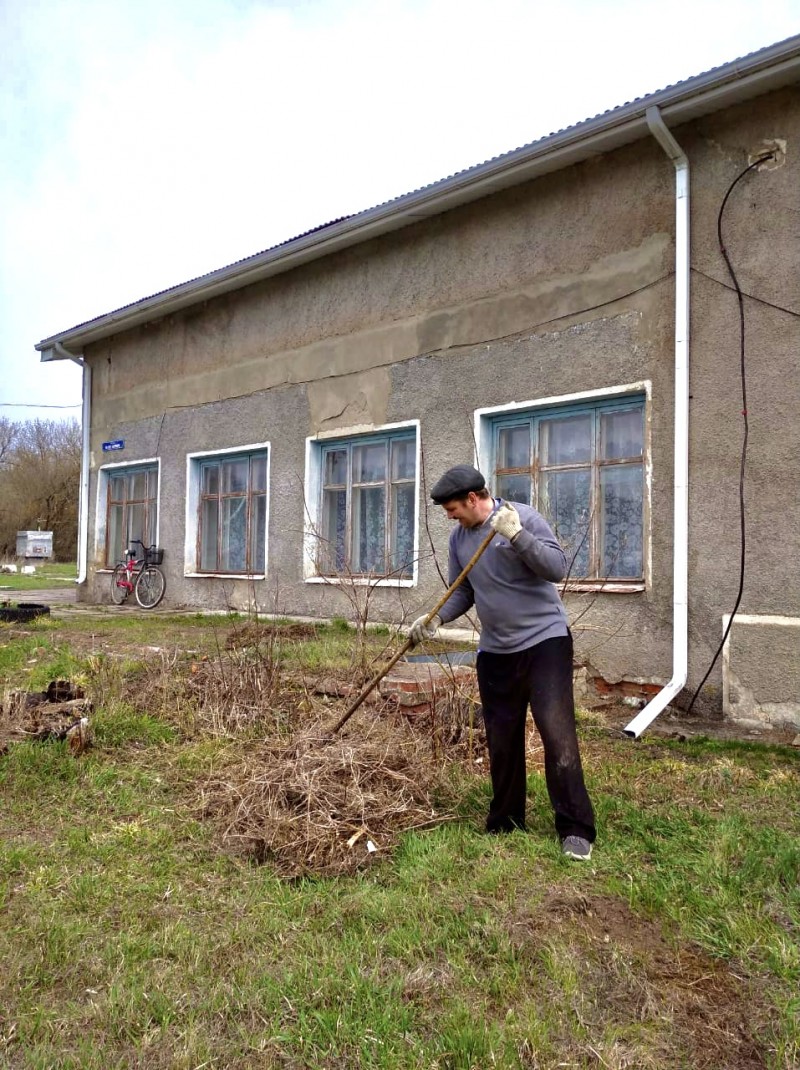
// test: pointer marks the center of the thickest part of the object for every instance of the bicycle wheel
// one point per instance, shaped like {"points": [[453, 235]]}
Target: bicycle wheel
{"points": [[150, 585], [119, 592]]}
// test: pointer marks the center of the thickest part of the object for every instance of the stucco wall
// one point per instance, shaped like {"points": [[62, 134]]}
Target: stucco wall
{"points": [[761, 230], [562, 285], [546, 250]]}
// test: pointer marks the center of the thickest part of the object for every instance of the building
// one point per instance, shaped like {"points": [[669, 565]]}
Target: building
{"points": [[564, 315]]}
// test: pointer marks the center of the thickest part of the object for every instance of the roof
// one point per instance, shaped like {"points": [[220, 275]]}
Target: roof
{"points": [[721, 87]]}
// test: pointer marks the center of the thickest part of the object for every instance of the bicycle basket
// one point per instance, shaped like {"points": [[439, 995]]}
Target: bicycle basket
{"points": [[154, 555]]}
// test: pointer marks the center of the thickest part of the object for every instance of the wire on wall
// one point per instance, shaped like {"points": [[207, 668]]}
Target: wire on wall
{"points": [[743, 378]]}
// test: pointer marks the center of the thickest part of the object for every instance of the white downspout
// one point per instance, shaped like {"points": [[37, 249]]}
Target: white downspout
{"points": [[680, 535], [83, 499]]}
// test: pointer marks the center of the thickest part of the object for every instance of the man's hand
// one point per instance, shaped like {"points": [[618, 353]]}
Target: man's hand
{"points": [[506, 521], [420, 631]]}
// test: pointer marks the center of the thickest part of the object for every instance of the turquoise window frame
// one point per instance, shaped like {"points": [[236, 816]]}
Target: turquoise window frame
{"points": [[340, 556], [255, 516], [119, 534], [591, 544]]}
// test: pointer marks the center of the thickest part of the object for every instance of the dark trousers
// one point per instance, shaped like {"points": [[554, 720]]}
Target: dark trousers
{"points": [[541, 677]]}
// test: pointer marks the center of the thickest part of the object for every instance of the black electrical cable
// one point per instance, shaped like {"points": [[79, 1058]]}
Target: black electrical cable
{"points": [[743, 375], [752, 297]]}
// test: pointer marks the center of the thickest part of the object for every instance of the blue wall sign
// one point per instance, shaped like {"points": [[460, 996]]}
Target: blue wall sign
{"points": [[117, 444]]}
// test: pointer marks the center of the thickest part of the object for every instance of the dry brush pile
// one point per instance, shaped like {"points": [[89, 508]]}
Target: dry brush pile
{"points": [[329, 804], [288, 791]]}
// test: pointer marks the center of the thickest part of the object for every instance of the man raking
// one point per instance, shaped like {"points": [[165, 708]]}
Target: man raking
{"points": [[525, 653]]}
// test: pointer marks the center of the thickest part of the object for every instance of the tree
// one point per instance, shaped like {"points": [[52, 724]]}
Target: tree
{"points": [[40, 463], [8, 432]]}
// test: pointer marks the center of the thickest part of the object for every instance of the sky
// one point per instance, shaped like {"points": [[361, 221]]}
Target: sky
{"points": [[144, 144]]}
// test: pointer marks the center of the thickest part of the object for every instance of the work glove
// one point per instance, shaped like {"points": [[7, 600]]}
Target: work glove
{"points": [[420, 631], [506, 521]]}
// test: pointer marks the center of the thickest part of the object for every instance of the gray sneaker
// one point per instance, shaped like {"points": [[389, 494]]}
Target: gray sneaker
{"points": [[576, 847]]}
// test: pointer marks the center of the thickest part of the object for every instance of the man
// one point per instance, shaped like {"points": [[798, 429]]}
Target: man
{"points": [[525, 654]]}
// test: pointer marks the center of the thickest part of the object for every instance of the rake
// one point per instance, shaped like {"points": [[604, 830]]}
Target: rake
{"points": [[410, 642]]}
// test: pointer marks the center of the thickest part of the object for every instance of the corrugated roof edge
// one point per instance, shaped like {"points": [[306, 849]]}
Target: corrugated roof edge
{"points": [[379, 218]]}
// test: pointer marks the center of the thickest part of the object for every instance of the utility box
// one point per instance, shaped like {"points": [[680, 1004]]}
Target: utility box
{"points": [[35, 545]]}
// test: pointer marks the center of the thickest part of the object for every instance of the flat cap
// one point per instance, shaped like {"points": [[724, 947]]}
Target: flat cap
{"points": [[460, 479]]}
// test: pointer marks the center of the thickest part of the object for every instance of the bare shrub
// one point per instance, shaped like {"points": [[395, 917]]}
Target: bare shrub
{"points": [[455, 719], [240, 692]]}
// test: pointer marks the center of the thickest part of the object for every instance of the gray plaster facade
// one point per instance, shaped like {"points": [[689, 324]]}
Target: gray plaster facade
{"points": [[561, 285]]}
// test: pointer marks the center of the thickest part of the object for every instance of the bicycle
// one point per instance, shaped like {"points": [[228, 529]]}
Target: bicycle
{"points": [[140, 575]]}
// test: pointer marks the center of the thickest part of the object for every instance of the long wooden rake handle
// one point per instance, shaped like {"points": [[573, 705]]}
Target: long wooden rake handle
{"points": [[409, 642]]}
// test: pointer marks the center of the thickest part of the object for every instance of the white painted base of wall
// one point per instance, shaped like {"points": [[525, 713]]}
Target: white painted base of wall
{"points": [[761, 670]]}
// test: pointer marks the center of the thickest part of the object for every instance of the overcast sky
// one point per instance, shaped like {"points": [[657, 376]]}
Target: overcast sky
{"points": [[146, 143]]}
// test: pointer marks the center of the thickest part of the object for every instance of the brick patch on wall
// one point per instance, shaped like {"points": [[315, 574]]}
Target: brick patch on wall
{"points": [[417, 687], [625, 688]]}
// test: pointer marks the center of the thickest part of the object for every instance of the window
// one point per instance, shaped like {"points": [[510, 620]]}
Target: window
{"points": [[231, 501], [131, 509], [582, 467], [366, 510]]}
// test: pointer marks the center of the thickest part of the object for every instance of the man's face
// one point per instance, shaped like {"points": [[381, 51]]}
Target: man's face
{"points": [[466, 512]]}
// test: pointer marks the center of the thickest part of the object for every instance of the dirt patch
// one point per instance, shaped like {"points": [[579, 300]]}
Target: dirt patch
{"points": [[672, 725], [706, 1012]]}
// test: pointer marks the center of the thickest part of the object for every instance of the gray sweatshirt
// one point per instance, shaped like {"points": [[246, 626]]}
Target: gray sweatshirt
{"points": [[511, 585]]}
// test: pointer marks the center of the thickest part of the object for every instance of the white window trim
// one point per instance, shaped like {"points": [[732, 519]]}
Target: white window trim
{"points": [[312, 491], [192, 501], [482, 422], [103, 475]]}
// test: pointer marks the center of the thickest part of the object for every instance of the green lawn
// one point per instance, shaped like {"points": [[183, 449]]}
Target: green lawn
{"points": [[129, 938], [47, 576]]}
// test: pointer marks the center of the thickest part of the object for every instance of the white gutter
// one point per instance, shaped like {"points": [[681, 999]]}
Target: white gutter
{"points": [[83, 497], [680, 534]]}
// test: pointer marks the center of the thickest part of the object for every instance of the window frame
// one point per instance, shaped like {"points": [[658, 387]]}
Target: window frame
{"points": [[195, 497], [316, 448], [488, 422], [105, 474]]}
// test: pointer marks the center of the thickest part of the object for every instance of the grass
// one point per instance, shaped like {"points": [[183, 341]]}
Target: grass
{"points": [[47, 576], [129, 940]]}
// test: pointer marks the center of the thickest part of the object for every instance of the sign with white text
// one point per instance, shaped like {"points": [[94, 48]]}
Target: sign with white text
{"points": [[117, 444]]}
